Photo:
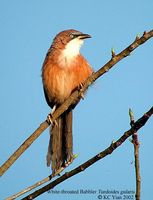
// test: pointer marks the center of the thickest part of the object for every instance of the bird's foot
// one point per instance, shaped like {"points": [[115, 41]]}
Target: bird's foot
{"points": [[50, 121], [81, 92], [49, 117]]}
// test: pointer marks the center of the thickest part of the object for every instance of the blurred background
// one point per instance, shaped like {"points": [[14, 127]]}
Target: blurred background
{"points": [[27, 30]]}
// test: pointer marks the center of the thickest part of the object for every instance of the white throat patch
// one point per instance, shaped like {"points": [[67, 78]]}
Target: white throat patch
{"points": [[71, 51]]}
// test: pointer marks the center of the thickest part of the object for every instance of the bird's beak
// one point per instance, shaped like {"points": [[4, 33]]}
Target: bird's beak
{"points": [[84, 36]]}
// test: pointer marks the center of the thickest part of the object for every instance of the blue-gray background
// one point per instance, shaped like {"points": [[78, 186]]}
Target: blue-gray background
{"points": [[26, 32]]}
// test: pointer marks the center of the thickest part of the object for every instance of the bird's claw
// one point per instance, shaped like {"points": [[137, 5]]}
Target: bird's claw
{"points": [[81, 92], [50, 121], [80, 86]]}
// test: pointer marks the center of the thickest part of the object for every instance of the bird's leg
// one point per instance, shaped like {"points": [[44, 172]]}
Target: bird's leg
{"points": [[53, 110], [49, 117]]}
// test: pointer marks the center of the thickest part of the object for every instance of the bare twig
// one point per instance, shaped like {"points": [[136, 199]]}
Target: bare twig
{"points": [[136, 126], [23, 147], [136, 144], [75, 97], [28, 189]]}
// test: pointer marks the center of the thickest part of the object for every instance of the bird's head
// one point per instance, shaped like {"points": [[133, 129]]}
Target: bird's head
{"points": [[69, 42]]}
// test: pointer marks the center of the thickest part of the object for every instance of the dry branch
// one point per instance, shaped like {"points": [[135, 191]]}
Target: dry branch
{"points": [[136, 145], [39, 183], [74, 97], [135, 127]]}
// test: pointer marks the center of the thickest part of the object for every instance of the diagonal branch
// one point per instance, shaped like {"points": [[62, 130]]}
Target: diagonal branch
{"points": [[39, 183], [75, 97], [135, 127]]}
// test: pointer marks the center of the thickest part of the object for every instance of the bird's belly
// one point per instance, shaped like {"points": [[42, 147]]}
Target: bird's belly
{"points": [[60, 82], [63, 86], [59, 85]]}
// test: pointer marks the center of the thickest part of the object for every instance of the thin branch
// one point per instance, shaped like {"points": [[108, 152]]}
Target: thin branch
{"points": [[39, 183], [136, 144], [136, 126], [23, 147], [75, 97], [29, 188]]}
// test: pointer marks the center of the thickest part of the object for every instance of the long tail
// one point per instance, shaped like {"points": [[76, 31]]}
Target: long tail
{"points": [[60, 149]]}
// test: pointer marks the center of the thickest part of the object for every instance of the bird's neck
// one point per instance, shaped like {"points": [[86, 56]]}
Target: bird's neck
{"points": [[68, 55]]}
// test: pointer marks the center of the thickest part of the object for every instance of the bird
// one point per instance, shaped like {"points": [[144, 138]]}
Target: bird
{"points": [[64, 70]]}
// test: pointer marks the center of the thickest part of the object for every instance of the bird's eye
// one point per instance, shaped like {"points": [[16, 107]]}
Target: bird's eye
{"points": [[71, 35]]}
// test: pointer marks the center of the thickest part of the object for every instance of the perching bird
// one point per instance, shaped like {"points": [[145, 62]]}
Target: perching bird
{"points": [[63, 71]]}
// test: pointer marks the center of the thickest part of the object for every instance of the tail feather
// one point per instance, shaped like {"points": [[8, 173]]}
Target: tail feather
{"points": [[68, 136], [60, 149]]}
